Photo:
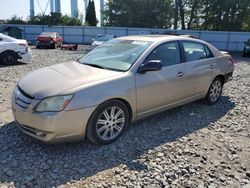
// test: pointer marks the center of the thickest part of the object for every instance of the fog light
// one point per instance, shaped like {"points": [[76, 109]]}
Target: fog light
{"points": [[41, 133]]}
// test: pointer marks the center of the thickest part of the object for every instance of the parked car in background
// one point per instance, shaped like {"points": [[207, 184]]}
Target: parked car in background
{"points": [[123, 80], [246, 50], [49, 39], [101, 38], [12, 49]]}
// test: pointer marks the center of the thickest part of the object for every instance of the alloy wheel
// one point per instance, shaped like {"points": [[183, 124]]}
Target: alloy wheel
{"points": [[110, 123], [215, 91]]}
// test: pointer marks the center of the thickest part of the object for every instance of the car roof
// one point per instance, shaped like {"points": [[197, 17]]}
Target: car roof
{"points": [[157, 38]]}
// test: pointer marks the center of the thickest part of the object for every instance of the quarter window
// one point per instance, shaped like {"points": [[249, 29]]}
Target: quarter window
{"points": [[194, 51], [168, 54], [208, 52]]}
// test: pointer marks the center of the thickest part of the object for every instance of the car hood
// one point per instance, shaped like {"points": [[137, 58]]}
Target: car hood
{"points": [[53, 80]]}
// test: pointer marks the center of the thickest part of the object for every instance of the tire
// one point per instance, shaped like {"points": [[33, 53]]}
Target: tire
{"points": [[214, 91], [38, 47], [8, 58], [54, 46], [102, 127]]}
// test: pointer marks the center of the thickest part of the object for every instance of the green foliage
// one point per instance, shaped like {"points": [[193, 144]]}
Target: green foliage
{"points": [[230, 15], [52, 19], [221, 15], [138, 13], [91, 15], [15, 20]]}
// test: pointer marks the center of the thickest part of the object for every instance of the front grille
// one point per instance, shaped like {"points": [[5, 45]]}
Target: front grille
{"points": [[22, 99]]}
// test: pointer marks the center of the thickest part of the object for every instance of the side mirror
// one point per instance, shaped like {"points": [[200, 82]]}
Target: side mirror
{"points": [[153, 65]]}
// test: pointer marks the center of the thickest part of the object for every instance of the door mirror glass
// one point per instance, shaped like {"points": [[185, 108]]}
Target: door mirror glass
{"points": [[153, 65]]}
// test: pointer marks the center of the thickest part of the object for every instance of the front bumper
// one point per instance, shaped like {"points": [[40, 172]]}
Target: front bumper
{"points": [[45, 43], [50, 127], [25, 56]]}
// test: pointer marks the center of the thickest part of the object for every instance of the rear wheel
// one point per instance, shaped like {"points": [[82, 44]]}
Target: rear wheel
{"points": [[108, 122], [214, 91], [8, 58]]}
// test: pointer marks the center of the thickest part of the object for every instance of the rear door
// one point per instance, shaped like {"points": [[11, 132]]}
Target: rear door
{"points": [[200, 64], [161, 88]]}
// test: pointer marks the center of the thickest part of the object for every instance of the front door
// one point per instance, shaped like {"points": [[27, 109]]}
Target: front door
{"points": [[158, 89]]}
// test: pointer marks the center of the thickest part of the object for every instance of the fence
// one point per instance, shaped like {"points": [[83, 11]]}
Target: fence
{"points": [[229, 41]]}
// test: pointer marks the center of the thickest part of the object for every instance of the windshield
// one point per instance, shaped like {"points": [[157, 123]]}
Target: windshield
{"points": [[115, 54], [103, 38], [48, 34]]}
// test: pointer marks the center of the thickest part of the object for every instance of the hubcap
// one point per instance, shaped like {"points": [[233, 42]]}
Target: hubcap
{"points": [[8, 58], [215, 91], [110, 123]]}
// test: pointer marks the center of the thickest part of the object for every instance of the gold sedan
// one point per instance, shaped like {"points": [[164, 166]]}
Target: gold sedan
{"points": [[118, 82]]}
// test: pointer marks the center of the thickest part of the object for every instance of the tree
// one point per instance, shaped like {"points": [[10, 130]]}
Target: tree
{"points": [[52, 19], [90, 18], [139, 13], [176, 13], [15, 20]]}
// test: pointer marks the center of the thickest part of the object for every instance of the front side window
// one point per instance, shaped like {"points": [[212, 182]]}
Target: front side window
{"points": [[116, 54], [168, 54], [194, 51]]}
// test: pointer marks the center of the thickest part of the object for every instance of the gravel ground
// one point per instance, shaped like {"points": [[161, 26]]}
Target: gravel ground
{"points": [[191, 146]]}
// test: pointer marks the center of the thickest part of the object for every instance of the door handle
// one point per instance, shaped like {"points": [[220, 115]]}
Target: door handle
{"points": [[180, 74], [211, 66]]}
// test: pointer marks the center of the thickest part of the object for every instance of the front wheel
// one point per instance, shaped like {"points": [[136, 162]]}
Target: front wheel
{"points": [[108, 122], [53, 46], [214, 91], [8, 58]]}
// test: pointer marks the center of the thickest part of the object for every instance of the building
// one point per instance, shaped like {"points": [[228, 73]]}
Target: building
{"points": [[12, 31]]}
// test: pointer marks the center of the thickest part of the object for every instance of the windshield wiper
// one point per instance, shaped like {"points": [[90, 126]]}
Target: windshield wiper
{"points": [[94, 65]]}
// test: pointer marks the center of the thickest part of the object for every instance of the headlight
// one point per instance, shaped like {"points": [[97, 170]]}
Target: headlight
{"points": [[53, 104]]}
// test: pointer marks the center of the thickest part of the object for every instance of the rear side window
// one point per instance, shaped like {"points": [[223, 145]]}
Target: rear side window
{"points": [[194, 51], [168, 53]]}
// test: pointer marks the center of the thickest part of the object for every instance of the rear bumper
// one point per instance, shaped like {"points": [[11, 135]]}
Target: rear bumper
{"points": [[228, 77]]}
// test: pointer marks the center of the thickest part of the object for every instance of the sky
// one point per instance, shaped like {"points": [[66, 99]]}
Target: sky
{"points": [[8, 8]]}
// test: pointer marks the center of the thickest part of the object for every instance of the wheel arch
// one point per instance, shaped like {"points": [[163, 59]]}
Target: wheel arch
{"points": [[222, 77], [8, 50], [127, 104]]}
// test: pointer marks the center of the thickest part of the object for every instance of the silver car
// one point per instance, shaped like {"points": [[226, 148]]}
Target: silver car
{"points": [[118, 82]]}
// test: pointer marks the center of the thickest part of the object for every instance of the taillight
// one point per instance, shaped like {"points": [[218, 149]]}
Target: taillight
{"points": [[231, 60]]}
